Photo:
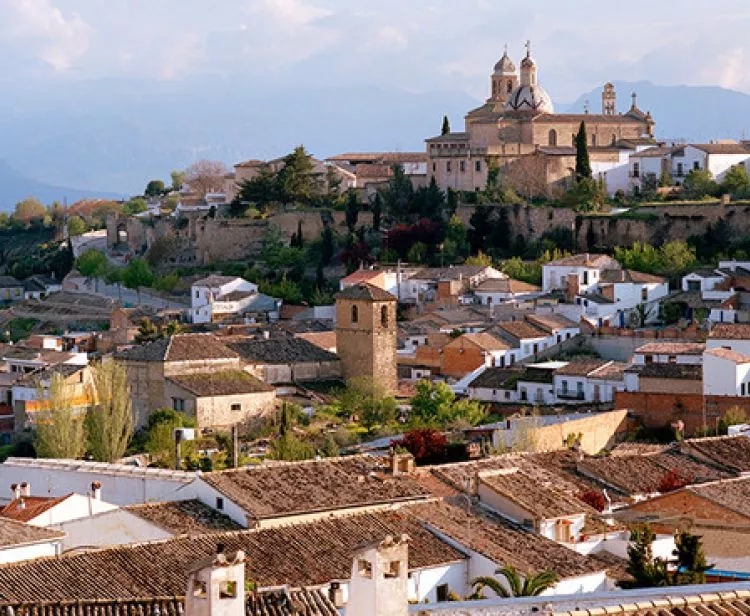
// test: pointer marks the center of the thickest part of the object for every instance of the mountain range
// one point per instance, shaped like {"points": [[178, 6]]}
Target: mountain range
{"points": [[109, 137]]}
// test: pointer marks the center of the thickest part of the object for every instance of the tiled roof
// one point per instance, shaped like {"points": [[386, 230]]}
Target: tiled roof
{"points": [[33, 379], [220, 383], [280, 351], [180, 347], [585, 259], [722, 148], [9, 282], [287, 489], [686, 372], [730, 331], [733, 494], [732, 452], [26, 508], [486, 341], [613, 371], [581, 367], [495, 378], [502, 285], [362, 275], [551, 322], [520, 329], [367, 292], [13, 532], [386, 157], [623, 275], [188, 517], [214, 280], [300, 555], [456, 272], [643, 474], [672, 348], [729, 355], [540, 499], [655, 152], [324, 340]]}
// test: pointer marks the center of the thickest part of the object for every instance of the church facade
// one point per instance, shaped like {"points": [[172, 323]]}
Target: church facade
{"points": [[517, 128]]}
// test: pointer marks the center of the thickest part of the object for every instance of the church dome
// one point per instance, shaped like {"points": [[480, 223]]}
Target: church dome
{"points": [[530, 98], [505, 65], [528, 62]]}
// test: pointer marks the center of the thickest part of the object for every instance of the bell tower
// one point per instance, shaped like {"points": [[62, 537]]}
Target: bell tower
{"points": [[528, 68], [504, 79], [366, 334], [609, 100]]}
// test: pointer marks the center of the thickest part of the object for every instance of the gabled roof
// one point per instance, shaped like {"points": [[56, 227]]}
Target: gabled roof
{"points": [[722, 148], [732, 452], [9, 282], [672, 348], [188, 517], [220, 383], [522, 330], [16, 533], [27, 508], [282, 350], [659, 370], [624, 275], [214, 280], [505, 285], [496, 378], [551, 323], [730, 331], [729, 355], [364, 291], [484, 340], [582, 367], [584, 260], [180, 347], [361, 275], [733, 494], [455, 272]]}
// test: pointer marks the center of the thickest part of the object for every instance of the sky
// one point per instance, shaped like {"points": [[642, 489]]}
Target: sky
{"points": [[415, 45]]}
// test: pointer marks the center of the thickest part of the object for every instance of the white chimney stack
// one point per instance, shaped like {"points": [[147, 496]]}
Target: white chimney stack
{"points": [[15, 490], [25, 489], [379, 583], [96, 490]]}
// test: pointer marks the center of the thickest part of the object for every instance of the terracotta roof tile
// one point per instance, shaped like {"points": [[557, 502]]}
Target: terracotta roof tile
{"points": [[220, 383], [367, 292], [180, 347], [189, 517], [672, 348], [281, 350], [13, 532], [731, 452], [730, 331], [581, 367], [27, 508], [729, 355]]}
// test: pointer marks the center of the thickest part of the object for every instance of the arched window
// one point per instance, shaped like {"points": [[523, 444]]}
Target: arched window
{"points": [[384, 316], [614, 139], [593, 140], [552, 137], [509, 87], [355, 314]]}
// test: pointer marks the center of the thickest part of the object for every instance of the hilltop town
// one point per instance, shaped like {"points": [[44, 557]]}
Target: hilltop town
{"points": [[509, 373]]}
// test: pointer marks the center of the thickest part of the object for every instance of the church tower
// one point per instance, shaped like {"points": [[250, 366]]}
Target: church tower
{"points": [[609, 100], [528, 68], [504, 79], [366, 334]]}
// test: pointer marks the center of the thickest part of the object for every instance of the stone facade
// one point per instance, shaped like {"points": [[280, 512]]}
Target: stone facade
{"points": [[366, 339]]}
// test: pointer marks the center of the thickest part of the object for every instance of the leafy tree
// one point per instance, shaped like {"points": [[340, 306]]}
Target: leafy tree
{"points": [[583, 163], [427, 445], [699, 183], [645, 570], [377, 211], [369, 401], [690, 564], [333, 184], [584, 196], [327, 245], [298, 181], [60, 430], [665, 178], [352, 210], [732, 417], [736, 181], [435, 404], [480, 259], [110, 420], [206, 176], [29, 209], [287, 446], [155, 188], [261, 190], [446, 126], [533, 585], [160, 438], [76, 226], [455, 232], [137, 274], [481, 225], [147, 332], [398, 195], [135, 206], [167, 283], [92, 263], [178, 180], [417, 253], [428, 202]]}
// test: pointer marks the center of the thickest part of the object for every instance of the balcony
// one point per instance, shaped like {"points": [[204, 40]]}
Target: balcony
{"points": [[567, 394]]}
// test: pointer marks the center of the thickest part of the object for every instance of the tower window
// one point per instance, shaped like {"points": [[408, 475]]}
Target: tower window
{"points": [[478, 166], [448, 166], [509, 87], [384, 316], [614, 139], [593, 140], [355, 314], [552, 137], [462, 166]]}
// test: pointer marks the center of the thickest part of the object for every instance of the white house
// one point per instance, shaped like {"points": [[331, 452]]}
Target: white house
{"points": [[716, 158], [734, 336], [19, 541], [500, 290], [216, 296], [726, 373], [588, 381], [669, 353], [422, 284], [575, 274]]}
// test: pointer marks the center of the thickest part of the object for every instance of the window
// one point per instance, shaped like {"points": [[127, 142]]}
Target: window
{"points": [[523, 393], [552, 137], [355, 314], [228, 590], [585, 277], [434, 167], [384, 316], [462, 166], [220, 503], [672, 359], [636, 170], [197, 294], [593, 140], [648, 359], [442, 592], [644, 294], [564, 386], [364, 567], [393, 570], [178, 404], [509, 87], [448, 166], [236, 406], [680, 169], [742, 389], [614, 139], [200, 588], [478, 166], [507, 395], [696, 165]]}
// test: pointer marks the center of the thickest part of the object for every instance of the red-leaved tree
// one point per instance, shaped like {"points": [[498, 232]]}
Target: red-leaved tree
{"points": [[594, 498], [672, 481], [427, 445]]}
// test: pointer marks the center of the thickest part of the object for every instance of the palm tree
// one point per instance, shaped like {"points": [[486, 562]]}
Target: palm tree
{"points": [[533, 585]]}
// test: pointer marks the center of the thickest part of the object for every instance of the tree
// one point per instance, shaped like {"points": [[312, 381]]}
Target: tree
{"points": [[446, 126], [583, 163], [29, 209], [645, 570], [377, 211], [736, 181], [367, 400], [690, 563], [110, 420], [671, 481], [593, 497], [178, 180], [699, 183], [456, 243], [527, 176], [298, 180], [147, 332], [398, 195], [206, 176], [135, 206], [155, 188], [136, 275], [60, 430], [352, 210], [427, 445], [76, 226], [428, 202], [92, 263], [732, 417], [533, 585], [327, 245], [287, 446], [260, 191], [480, 227], [160, 443], [435, 404], [665, 178]]}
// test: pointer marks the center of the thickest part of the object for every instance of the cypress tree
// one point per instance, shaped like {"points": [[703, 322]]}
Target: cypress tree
{"points": [[377, 212], [446, 126], [583, 164]]}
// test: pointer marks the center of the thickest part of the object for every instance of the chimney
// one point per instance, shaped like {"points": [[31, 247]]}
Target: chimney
{"points": [[402, 463], [336, 594], [96, 490], [25, 489], [379, 583], [15, 490], [217, 587]]}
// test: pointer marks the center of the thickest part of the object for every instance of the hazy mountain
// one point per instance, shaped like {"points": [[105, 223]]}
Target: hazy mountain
{"points": [[688, 113], [115, 135], [14, 187]]}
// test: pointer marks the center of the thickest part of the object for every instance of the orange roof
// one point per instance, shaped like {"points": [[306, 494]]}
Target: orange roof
{"points": [[729, 355], [27, 508], [362, 275]]}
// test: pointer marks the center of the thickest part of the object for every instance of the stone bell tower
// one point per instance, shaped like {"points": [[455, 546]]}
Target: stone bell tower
{"points": [[504, 79], [609, 100], [366, 334]]}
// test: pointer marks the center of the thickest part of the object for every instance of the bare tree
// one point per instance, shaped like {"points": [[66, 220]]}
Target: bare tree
{"points": [[60, 430], [110, 420], [206, 176], [527, 175]]}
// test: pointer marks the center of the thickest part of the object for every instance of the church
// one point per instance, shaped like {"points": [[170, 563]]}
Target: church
{"points": [[534, 147]]}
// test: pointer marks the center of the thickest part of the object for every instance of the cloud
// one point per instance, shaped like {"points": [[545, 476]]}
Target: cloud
{"points": [[392, 39], [54, 38], [290, 13]]}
